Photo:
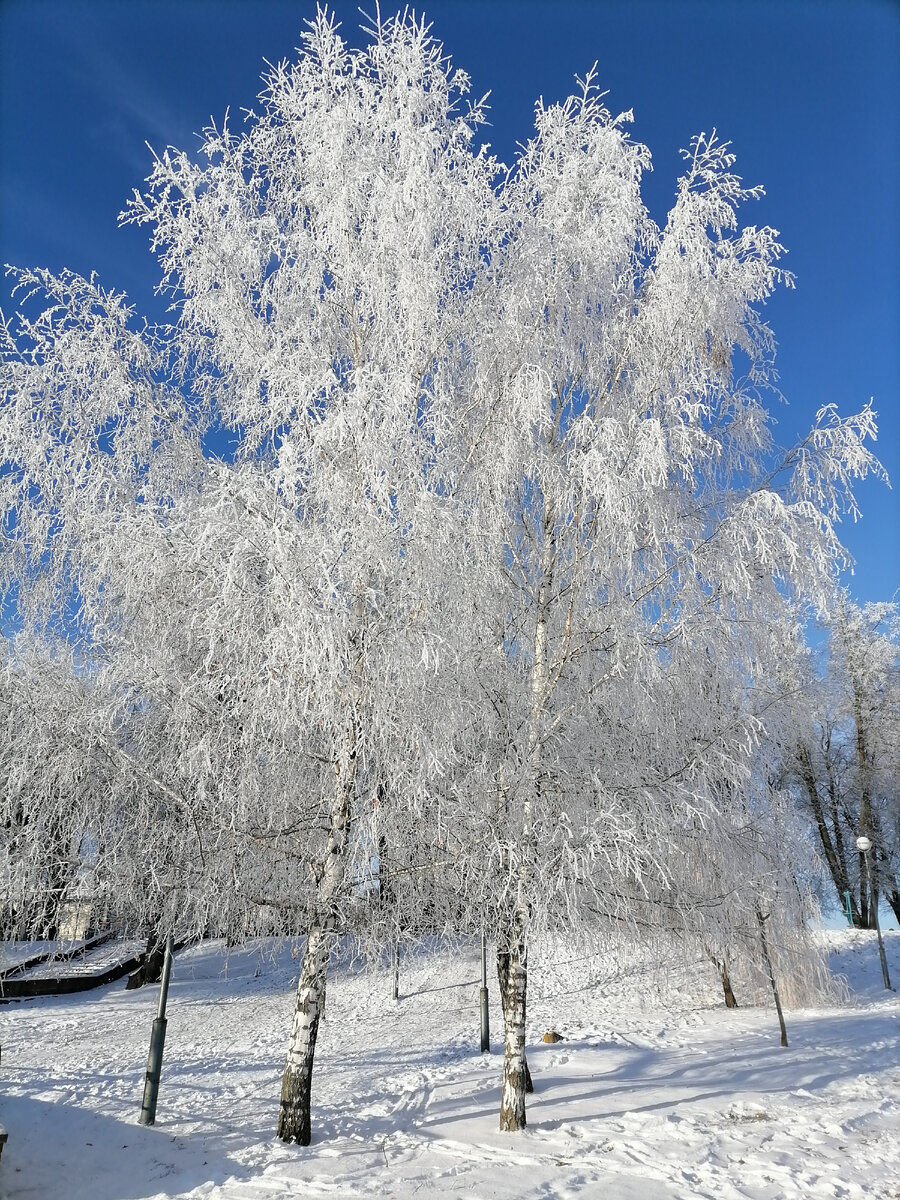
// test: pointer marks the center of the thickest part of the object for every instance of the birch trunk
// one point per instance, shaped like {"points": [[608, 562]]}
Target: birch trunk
{"points": [[294, 1116], [516, 1075], [503, 978], [515, 1066]]}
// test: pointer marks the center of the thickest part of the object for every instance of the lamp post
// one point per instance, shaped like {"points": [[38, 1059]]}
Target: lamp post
{"points": [[864, 845]]}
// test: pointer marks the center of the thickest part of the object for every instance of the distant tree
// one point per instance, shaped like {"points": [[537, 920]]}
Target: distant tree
{"points": [[51, 794], [846, 756]]}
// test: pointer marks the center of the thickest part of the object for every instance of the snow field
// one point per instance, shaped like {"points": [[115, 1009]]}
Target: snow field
{"points": [[649, 1096]]}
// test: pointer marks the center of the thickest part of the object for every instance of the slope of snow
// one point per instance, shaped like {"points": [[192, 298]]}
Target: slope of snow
{"points": [[649, 1097]]}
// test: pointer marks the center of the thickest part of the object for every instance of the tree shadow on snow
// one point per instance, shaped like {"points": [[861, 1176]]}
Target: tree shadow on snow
{"points": [[61, 1150], [607, 1081], [825, 1049]]}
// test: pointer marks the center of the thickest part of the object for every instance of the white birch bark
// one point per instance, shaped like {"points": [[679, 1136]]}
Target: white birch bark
{"points": [[294, 1116], [516, 1076], [515, 1067]]}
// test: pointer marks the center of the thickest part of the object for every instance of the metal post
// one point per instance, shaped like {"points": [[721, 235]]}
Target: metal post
{"points": [[157, 1041], [485, 1014], [395, 990], [873, 903]]}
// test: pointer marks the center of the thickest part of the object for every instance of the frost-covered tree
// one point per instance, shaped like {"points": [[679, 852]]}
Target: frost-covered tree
{"points": [[62, 839], [628, 503], [276, 614], [79, 821], [500, 493], [49, 791]]}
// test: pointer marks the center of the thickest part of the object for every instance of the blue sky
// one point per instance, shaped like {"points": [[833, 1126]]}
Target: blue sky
{"points": [[808, 93]]}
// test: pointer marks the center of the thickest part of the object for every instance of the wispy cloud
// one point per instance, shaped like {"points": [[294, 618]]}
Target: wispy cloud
{"points": [[139, 104]]}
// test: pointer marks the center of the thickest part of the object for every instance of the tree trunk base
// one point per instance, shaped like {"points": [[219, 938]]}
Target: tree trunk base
{"points": [[517, 1082], [294, 1120]]}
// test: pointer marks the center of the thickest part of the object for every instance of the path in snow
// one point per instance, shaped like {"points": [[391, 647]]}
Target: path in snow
{"points": [[645, 1099]]}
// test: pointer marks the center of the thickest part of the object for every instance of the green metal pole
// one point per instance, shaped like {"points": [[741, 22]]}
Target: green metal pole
{"points": [[157, 1042], [395, 969], [485, 1013]]}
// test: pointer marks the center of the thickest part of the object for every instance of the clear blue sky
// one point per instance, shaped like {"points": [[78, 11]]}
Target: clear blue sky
{"points": [[808, 92]]}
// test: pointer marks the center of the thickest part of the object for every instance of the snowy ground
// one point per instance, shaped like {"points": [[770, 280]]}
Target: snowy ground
{"points": [[648, 1097]]}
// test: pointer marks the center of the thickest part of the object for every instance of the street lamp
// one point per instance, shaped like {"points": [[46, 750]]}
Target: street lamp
{"points": [[864, 845]]}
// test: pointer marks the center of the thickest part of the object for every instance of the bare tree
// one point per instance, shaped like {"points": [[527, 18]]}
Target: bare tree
{"points": [[846, 756]]}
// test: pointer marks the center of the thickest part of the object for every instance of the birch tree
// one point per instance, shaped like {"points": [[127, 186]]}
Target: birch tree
{"points": [[628, 495], [275, 604]]}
